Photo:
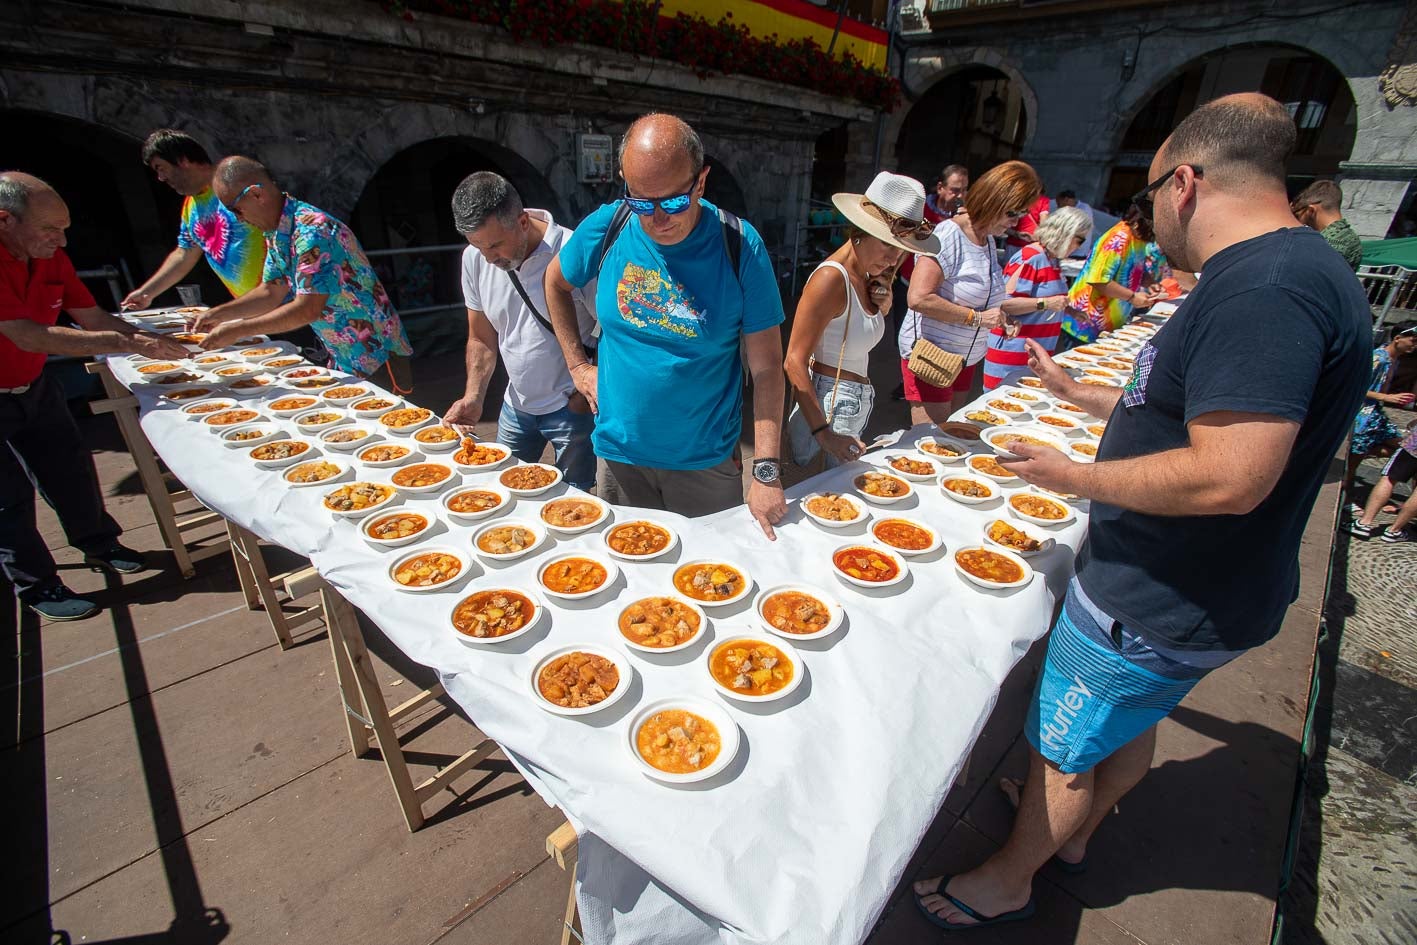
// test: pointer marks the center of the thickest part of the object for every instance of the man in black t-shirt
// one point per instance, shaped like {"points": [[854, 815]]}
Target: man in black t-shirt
{"points": [[1213, 454]]}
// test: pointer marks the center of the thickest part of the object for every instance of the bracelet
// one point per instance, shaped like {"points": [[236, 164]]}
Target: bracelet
{"points": [[821, 428], [973, 317]]}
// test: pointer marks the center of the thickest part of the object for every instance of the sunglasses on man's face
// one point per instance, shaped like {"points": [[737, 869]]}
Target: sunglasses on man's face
{"points": [[1143, 197], [235, 205], [670, 205]]}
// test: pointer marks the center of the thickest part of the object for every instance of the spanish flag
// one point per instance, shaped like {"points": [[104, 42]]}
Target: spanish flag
{"points": [[792, 19]]}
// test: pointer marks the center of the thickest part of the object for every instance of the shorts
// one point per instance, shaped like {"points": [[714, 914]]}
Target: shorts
{"points": [[850, 408], [919, 392], [1102, 685], [1401, 468], [1372, 430]]}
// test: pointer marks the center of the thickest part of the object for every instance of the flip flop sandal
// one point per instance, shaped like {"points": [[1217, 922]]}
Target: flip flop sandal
{"points": [[1072, 869], [980, 921]]}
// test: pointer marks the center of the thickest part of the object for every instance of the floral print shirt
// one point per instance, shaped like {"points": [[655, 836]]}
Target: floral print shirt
{"points": [[234, 250], [317, 254]]}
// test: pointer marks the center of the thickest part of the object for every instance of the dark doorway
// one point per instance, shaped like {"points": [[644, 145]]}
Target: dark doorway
{"points": [[975, 117], [722, 190]]}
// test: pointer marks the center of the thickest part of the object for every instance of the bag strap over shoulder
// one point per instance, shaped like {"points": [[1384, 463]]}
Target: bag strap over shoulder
{"points": [[618, 219]]}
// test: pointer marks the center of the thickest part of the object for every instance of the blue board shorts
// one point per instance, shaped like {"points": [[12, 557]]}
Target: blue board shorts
{"points": [[1102, 685]]}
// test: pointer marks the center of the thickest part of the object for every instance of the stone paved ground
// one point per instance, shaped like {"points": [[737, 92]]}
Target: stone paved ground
{"points": [[1355, 878]]}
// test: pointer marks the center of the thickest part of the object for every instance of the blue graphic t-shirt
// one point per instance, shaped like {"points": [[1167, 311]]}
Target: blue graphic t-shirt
{"points": [[670, 374]]}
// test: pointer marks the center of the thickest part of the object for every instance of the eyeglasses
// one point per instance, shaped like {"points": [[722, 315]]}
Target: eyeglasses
{"points": [[1142, 198], [1016, 214], [235, 205], [670, 205], [901, 227]]}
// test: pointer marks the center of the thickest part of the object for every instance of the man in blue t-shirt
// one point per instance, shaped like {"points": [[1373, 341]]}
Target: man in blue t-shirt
{"points": [[667, 386], [1213, 455]]}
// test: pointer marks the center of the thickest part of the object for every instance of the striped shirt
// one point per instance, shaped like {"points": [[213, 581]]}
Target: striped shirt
{"points": [[1037, 277], [973, 280]]}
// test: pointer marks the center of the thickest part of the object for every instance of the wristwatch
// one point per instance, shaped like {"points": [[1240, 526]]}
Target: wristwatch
{"points": [[767, 470], [1040, 305]]}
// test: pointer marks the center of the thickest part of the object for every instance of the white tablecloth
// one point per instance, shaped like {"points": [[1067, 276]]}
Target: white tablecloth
{"points": [[803, 837]]}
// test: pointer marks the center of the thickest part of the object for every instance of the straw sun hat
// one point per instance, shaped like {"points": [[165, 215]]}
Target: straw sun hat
{"points": [[892, 210]]}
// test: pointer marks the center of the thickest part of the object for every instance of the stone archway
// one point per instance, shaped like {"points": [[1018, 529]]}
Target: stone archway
{"points": [[722, 188], [924, 73]]}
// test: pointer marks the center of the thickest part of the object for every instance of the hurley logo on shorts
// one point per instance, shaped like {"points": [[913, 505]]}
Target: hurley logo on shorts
{"points": [[1069, 706]]}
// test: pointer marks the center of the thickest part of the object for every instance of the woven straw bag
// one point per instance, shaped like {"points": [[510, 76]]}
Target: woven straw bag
{"points": [[933, 364]]}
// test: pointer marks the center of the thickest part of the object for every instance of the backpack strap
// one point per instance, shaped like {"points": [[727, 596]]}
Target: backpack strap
{"points": [[618, 219], [732, 229]]}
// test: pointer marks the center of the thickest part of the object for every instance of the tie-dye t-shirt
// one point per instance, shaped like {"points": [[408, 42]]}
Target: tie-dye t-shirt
{"points": [[236, 251], [670, 382], [318, 255], [1117, 257]]}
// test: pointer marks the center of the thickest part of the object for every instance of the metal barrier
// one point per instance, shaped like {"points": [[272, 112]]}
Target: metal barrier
{"points": [[1389, 289]]}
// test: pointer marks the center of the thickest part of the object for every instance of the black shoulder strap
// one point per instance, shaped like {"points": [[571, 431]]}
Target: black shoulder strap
{"points": [[618, 219], [732, 238], [521, 290]]}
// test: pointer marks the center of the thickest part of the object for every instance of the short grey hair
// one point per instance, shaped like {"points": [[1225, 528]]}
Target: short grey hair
{"points": [[239, 171], [1058, 231], [685, 137], [16, 189], [482, 196]]}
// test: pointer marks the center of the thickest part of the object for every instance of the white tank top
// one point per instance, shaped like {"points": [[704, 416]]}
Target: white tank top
{"points": [[866, 329]]}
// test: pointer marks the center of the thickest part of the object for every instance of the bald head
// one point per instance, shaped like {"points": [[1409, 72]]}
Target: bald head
{"points": [[18, 190], [662, 139], [1241, 141], [238, 172], [246, 188], [33, 217]]}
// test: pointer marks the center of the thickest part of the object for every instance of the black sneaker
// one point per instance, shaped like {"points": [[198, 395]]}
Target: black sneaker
{"points": [[117, 559], [1359, 530], [1402, 534], [57, 602]]}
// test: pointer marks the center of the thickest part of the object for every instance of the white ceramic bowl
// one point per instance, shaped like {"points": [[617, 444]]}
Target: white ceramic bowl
{"points": [[308, 423], [1005, 405], [537, 531], [303, 372], [1029, 398], [407, 428], [464, 559], [622, 666], [390, 498], [464, 517], [964, 449], [883, 500], [673, 540], [268, 431], [327, 481], [612, 571], [156, 369], [603, 515], [908, 552], [1063, 421], [253, 386], [718, 716], [435, 446], [994, 489], [220, 428], [538, 608], [834, 609], [368, 523], [260, 353], [974, 462], [348, 446], [182, 395], [449, 477], [994, 585], [530, 492], [1031, 383], [197, 409], [279, 463], [878, 548], [283, 362], [236, 372], [911, 476], [1068, 516], [995, 439], [1045, 543], [485, 467], [286, 413], [862, 514], [342, 396], [741, 593], [206, 362], [1078, 452], [679, 598], [389, 402], [782, 646], [409, 455]]}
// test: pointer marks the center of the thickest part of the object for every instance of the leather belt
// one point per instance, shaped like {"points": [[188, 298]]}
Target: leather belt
{"points": [[15, 390], [830, 372]]}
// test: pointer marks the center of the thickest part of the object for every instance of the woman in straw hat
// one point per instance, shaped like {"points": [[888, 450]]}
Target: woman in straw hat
{"points": [[843, 312], [958, 295]]}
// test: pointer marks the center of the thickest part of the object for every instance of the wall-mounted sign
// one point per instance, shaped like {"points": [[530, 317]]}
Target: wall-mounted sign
{"points": [[595, 157]]}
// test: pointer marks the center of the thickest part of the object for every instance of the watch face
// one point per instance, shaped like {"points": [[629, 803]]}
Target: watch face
{"points": [[765, 472]]}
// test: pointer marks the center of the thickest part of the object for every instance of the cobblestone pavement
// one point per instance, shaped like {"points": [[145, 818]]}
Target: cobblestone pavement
{"points": [[1355, 877]]}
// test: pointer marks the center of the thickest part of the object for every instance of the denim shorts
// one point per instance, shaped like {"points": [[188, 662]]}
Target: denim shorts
{"points": [[1102, 685], [848, 414]]}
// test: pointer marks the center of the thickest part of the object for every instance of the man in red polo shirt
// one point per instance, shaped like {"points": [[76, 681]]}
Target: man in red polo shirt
{"points": [[42, 447]]}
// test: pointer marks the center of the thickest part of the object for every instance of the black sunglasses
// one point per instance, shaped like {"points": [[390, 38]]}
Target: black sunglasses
{"points": [[1142, 198]]}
